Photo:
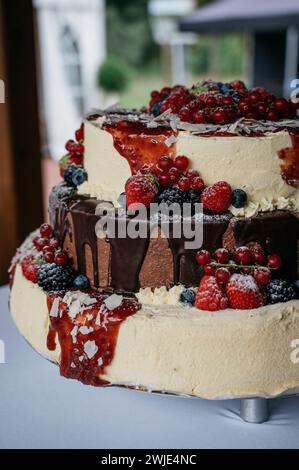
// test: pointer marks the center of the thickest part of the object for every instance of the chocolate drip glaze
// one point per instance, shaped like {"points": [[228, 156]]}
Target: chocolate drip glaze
{"points": [[84, 223], [276, 232], [186, 269]]}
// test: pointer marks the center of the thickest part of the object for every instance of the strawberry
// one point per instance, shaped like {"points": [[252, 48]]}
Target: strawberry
{"points": [[30, 269], [244, 293], [141, 189], [210, 296], [217, 198]]}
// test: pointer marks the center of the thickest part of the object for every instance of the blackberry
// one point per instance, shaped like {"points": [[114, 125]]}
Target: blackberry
{"points": [[239, 198], [191, 197], [52, 277], [187, 297], [74, 175], [171, 196], [280, 290]]}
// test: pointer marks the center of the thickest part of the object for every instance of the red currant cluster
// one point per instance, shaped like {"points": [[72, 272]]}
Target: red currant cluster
{"points": [[75, 150], [254, 262], [221, 103], [50, 246], [170, 172]]}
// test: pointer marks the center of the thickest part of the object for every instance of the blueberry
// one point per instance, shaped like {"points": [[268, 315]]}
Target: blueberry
{"points": [[296, 286], [81, 282], [187, 296], [122, 200], [74, 175], [239, 198], [157, 109]]}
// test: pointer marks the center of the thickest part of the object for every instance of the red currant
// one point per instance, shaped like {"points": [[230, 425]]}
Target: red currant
{"points": [[49, 257], [70, 146], [79, 149], [165, 163], [244, 106], [174, 174], [219, 116], [262, 276], [243, 255], [222, 275], [272, 115], [191, 174], [61, 258], [274, 262], [281, 105], [77, 159], [199, 117], [46, 230], [255, 97], [203, 257], [185, 114], [211, 102], [47, 249], [181, 162], [259, 257], [227, 101], [209, 270], [262, 109], [54, 243], [184, 184], [80, 134], [222, 256], [165, 180], [198, 184], [40, 243]]}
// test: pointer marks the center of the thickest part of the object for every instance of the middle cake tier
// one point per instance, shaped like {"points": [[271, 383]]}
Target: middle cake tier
{"points": [[160, 259]]}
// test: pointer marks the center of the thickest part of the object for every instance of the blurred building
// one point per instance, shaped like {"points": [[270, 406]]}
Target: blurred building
{"points": [[72, 45], [165, 15], [272, 25]]}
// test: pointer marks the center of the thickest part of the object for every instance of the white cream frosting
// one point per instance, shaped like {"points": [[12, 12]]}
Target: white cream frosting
{"points": [[160, 295], [248, 163], [231, 353]]}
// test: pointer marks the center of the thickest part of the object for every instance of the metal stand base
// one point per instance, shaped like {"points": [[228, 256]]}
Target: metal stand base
{"points": [[254, 410]]}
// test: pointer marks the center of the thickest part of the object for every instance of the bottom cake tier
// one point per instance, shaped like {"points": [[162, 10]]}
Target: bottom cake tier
{"points": [[175, 349]]}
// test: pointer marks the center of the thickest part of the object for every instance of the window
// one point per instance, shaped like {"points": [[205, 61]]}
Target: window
{"points": [[72, 66]]}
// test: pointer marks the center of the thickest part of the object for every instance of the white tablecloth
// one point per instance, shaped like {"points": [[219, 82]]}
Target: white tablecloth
{"points": [[40, 409]]}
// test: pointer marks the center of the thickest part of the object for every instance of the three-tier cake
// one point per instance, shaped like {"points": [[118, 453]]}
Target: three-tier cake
{"points": [[147, 311]]}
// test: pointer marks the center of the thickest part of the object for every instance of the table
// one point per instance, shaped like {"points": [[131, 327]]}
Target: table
{"points": [[40, 409]]}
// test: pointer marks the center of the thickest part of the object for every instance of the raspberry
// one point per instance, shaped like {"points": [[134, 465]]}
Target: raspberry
{"points": [[217, 198], [54, 278], [141, 189], [30, 269], [243, 292], [210, 296]]}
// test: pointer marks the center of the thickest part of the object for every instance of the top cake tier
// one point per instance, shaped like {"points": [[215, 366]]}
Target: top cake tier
{"points": [[245, 153]]}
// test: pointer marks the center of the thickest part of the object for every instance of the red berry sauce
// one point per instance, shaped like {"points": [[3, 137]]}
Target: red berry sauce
{"points": [[87, 351], [290, 162], [140, 145]]}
